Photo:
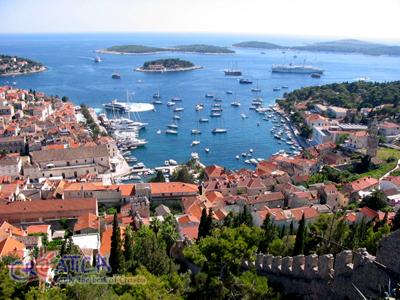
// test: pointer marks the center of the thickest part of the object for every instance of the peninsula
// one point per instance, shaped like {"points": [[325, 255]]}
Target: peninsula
{"points": [[13, 65], [141, 49], [339, 46], [167, 65]]}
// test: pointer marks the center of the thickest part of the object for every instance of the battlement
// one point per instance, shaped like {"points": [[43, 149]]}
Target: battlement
{"points": [[313, 266]]}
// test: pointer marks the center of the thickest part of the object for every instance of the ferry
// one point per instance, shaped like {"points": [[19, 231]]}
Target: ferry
{"points": [[219, 130], [116, 76], [245, 81], [296, 69]]}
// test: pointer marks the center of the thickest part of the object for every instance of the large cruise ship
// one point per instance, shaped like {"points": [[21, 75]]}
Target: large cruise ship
{"points": [[296, 69]]}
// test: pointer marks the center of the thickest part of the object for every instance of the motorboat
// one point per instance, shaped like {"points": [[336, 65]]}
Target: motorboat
{"points": [[215, 115], [172, 126], [176, 99], [195, 143], [229, 92], [235, 103], [178, 109], [203, 120], [176, 117], [209, 96], [195, 131], [219, 130], [171, 131], [199, 107], [170, 103], [207, 150]]}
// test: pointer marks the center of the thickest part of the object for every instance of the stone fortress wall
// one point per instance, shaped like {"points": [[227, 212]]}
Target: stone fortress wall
{"points": [[348, 275]]}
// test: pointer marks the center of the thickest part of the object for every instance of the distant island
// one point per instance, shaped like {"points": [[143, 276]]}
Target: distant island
{"points": [[167, 65], [13, 65], [141, 49], [340, 46]]}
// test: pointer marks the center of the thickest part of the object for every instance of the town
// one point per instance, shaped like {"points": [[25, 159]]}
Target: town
{"points": [[58, 186]]}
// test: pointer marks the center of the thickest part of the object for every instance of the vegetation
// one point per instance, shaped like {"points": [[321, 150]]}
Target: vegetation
{"points": [[182, 174], [11, 65], [94, 128], [116, 254], [341, 46], [196, 48], [158, 178], [168, 63]]}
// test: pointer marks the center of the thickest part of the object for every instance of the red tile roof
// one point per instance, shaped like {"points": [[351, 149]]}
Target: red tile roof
{"points": [[43, 228], [88, 221], [362, 183], [11, 247], [172, 188]]}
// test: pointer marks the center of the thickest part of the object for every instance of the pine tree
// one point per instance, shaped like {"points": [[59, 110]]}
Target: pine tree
{"points": [[299, 242], [116, 254], [158, 178], [203, 224]]}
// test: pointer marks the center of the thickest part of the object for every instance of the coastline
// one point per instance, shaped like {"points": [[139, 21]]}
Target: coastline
{"points": [[104, 51], [140, 69], [42, 69]]}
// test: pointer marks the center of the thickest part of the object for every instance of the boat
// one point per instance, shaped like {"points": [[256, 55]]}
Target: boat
{"points": [[195, 131], [131, 159], [158, 102], [251, 150], [195, 155], [247, 161], [254, 161], [256, 90], [199, 107], [159, 131], [176, 99], [244, 154], [172, 162], [219, 130], [115, 76], [139, 165], [217, 99], [203, 120], [215, 115], [115, 105], [207, 150], [235, 103], [237, 157], [176, 117], [157, 95], [296, 69], [209, 96], [315, 75], [216, 109], [232, 72], [178, 109], [195, 143], [229, 92], [285, 87], [276, 89], [172, 126], [170, 103], [171, 131], [243, 116], [245, 81], [97, 59]]}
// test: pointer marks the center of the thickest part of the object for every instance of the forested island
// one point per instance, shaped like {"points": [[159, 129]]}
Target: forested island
{"points": [[167, 65], [141, 49], [13, 65], [340, 46]]}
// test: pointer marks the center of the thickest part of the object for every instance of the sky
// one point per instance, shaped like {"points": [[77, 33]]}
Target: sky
{"points": [[367, 19]]}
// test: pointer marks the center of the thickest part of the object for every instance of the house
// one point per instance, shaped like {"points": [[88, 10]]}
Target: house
{"points": [[358, 140], [105, 245], [302, 198], [41, 210], [172, 190], [336, 112], [364, 184], [87, 241], [87, 223], [212, 172], [68, 162], [389, 183], [42, 229], [188, 227], [11, 247], [162, 210], [13, 144], [329, 195], [389, 129], [271, 199], [316, 120], [109, 195], [10, 165]]}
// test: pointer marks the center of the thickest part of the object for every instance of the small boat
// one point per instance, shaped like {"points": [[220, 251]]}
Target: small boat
{"points": [[254, 161], [243, 116], [215, 115], [285, 87], [116, 76], [235, 103], [219, 130], [176, 117], [195, 143], [316, 75], [229, 92], [276, 89], [217, 99], [158, 102], [172, 162], [251, 150], [159, 131], [244, 154], [245, 81], [157, 95], [203, 120], [176, 99], [216, 105], [199, 107], [178, 109], [195, 155], [171, 131], [216, 109], [247, 161], [170, 103], [97, 59], [172, 126], [237, 157], [209, 96], [195, 131], [207, 150], [256, 90]]}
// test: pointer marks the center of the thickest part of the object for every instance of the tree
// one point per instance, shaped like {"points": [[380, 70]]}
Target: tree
{"points": [[299, 242], [128, 248], [169, 233], [182, 174], [158, 178], [396, 221], [116, 254], [376, 201], [155, 225], [203, 229]]}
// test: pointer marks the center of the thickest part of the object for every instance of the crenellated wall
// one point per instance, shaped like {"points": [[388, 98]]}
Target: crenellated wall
{"points": [[339, 277]]}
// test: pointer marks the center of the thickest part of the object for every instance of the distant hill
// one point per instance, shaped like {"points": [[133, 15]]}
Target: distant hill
{"points": [[257, 45], [342, 46], [140, 49]]}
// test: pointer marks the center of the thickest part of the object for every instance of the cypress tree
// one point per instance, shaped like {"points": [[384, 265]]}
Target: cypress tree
{"points": [[291, 230], [203, 224], [299, 243], [116, 255], [396, 221], [209, 222]]}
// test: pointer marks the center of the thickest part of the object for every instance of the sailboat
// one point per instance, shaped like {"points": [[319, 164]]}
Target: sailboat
{"points": [[218, 130], [256, 89], [157, 95]]}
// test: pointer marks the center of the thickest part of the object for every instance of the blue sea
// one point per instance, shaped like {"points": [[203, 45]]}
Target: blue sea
{"points": [[72, 72]]}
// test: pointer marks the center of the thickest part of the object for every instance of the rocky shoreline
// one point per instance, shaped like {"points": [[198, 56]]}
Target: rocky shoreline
{"points": [[140, 69], [41, 69]]}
